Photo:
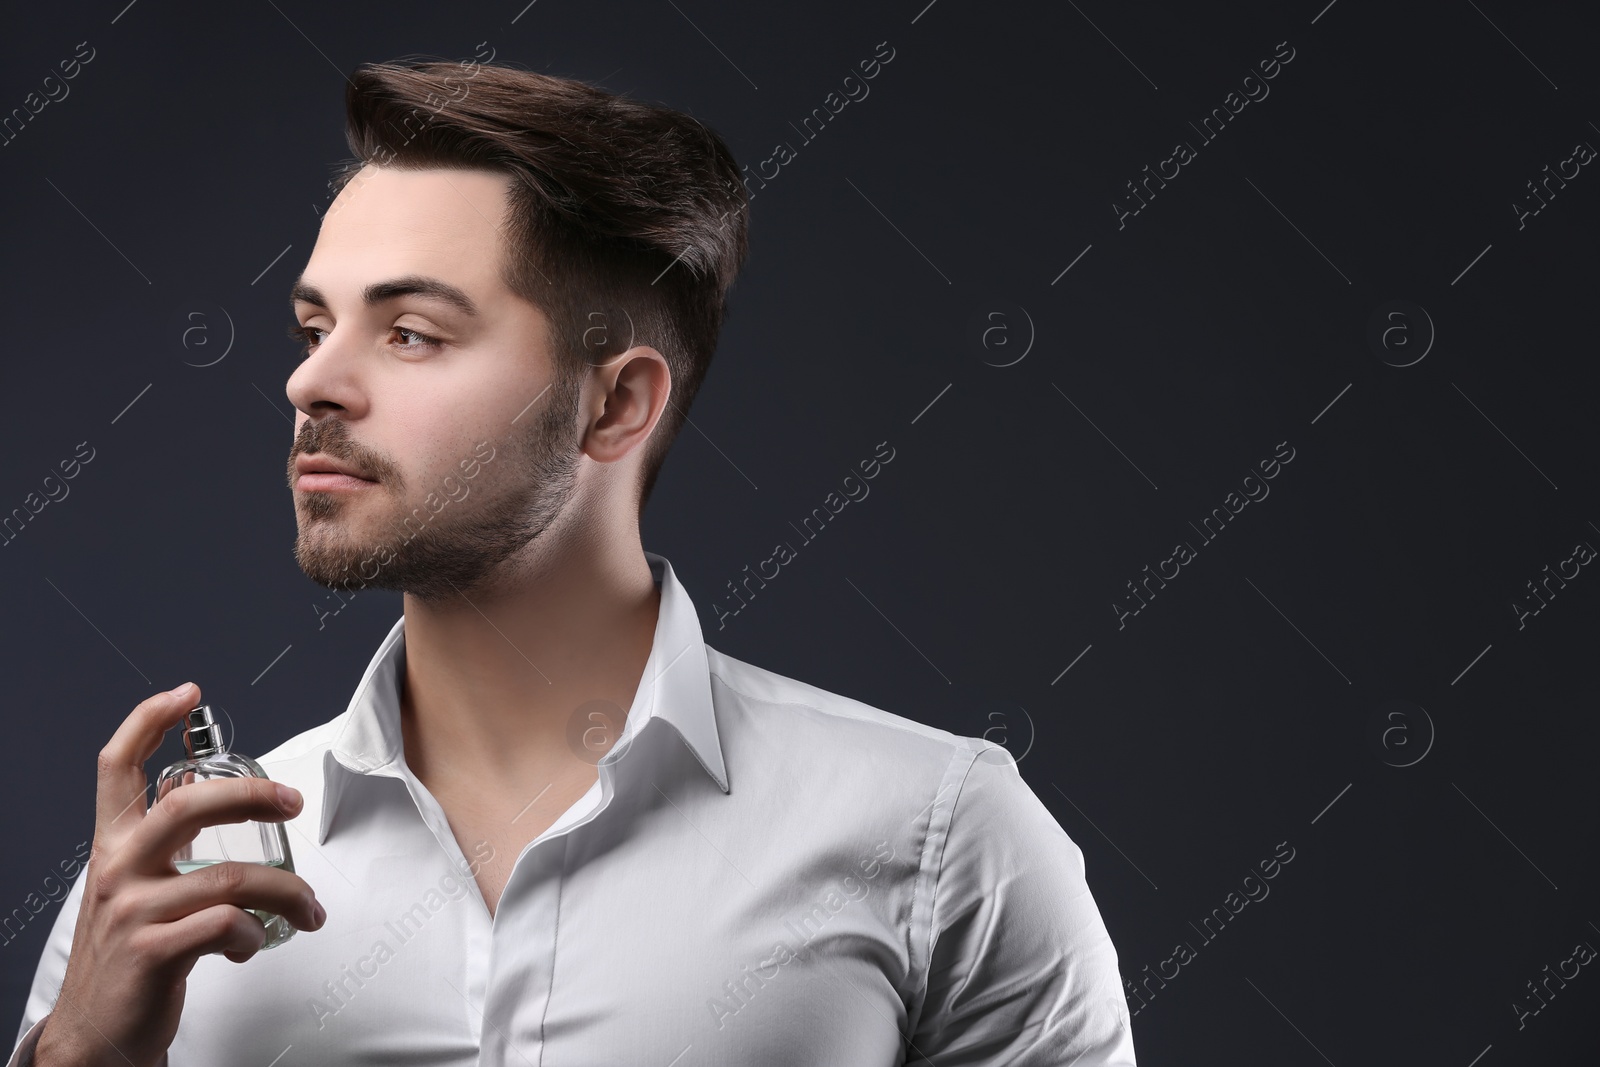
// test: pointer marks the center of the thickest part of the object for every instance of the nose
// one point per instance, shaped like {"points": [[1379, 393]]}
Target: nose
{"points": [[327, 382]]}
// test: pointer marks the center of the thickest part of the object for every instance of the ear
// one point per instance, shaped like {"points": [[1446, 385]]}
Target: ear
{"points": [[623, 400]]}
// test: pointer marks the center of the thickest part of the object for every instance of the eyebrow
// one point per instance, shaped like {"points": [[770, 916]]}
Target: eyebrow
{"points": [[378, 292]]}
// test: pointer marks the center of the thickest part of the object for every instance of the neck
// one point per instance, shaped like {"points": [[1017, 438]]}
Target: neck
{"points": [[495, 680]]}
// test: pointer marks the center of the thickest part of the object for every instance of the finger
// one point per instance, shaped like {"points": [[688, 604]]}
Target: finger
{"points": [[175, 819], [121, 787], [224, 929], [244, 885]]}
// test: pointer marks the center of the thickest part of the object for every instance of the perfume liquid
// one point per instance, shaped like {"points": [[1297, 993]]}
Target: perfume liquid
{"points": [[266, 843], [278, 928]]}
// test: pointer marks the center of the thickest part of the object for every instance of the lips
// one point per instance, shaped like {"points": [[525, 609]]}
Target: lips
{"points": [[318, 472], [321, 463]]}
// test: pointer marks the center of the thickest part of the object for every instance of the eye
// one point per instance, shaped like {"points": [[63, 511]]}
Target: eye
{"points": [[303, 336], [423, 340]]}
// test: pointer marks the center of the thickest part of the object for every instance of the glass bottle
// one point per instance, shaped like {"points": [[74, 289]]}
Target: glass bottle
{"points": [[250, 841]]}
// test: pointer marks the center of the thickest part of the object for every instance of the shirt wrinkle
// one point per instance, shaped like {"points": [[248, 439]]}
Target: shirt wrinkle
{"points": [[717, 926]]}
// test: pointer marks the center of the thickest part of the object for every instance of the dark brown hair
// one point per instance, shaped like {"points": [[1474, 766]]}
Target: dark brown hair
{"points": [[627, 221]]}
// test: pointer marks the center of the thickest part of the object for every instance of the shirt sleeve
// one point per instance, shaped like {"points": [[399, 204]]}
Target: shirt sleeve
{"points": [[1021, 972], [47, 976]]}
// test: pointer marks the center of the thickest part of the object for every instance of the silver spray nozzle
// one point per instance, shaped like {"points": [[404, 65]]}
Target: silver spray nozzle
{"points": [[202, 736]]}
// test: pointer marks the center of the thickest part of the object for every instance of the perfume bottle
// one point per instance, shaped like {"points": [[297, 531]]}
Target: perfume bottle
{"points": [[249, 841]]}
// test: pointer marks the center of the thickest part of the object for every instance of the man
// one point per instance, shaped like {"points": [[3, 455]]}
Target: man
{"points": [[552, 825]]}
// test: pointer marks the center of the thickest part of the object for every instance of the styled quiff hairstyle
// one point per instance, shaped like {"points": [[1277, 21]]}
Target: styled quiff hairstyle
{"points": [[627, 221]]}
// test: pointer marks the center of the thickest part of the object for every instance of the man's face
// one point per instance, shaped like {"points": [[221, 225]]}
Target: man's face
{"points": [[413, 393]]}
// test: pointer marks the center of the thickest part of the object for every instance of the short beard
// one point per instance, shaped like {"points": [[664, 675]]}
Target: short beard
{"points": [[457, 550]]}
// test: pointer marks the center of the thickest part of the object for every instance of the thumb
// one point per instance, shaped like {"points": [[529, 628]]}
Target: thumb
{"points": [[122, 787]]}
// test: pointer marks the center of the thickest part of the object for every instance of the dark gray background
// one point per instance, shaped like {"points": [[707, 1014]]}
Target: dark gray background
{"points": [[1249, 704]]}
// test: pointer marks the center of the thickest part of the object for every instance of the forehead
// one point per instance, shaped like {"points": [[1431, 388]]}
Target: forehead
{"points": [[387, 222]]}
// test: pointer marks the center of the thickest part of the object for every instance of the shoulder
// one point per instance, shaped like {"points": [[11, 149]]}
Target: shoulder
{"points": [[809, 734], [765, 699], [830, 738]]}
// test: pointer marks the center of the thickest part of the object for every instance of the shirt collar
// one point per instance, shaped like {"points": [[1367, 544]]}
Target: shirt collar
{"points": [[675, 687]]}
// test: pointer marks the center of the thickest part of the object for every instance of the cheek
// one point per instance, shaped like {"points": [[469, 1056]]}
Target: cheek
{"points": [[474, 404], [476, 396]]}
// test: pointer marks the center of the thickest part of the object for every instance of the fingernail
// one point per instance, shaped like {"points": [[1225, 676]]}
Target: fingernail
{"points": [[183, 690], [289, 796], [319, 913]]}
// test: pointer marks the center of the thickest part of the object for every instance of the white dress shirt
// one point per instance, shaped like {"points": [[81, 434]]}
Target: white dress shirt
{"points": [[764, 873]]}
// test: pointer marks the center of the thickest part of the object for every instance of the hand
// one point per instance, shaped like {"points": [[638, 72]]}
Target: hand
{"points": [[142, 925]]}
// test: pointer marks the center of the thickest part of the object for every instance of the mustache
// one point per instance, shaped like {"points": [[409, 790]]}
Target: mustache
{"points": [[332, 438]]}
